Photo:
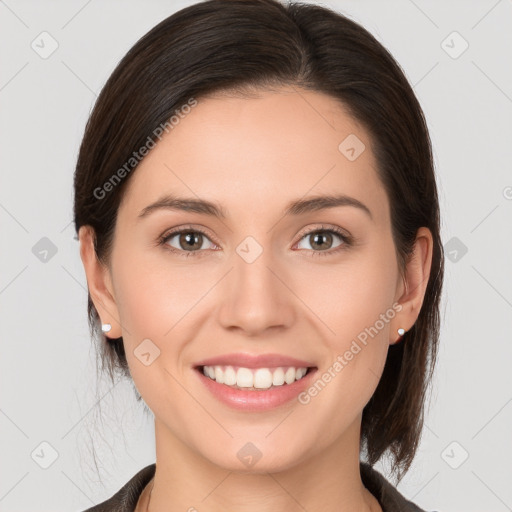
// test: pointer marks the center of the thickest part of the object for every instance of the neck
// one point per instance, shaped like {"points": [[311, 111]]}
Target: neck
{"points": [[328, 481]]}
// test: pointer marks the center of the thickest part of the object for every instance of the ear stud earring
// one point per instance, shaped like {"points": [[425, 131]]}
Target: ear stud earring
{"points": [[401, 332], [106, 327]]}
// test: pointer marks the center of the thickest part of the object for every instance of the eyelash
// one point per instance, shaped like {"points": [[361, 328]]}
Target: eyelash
{"points": [[347, 240]]}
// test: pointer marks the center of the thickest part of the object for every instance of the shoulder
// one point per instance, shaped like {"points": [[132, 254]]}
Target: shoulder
{"points": [[126, 498], [387, 495]]}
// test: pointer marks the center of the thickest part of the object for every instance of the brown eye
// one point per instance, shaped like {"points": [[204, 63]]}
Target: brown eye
{"points": [[321, 241], [190, 240], [186, 240]]}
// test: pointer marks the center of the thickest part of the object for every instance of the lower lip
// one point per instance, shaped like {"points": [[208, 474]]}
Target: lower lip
{"points": [[256, 400]]}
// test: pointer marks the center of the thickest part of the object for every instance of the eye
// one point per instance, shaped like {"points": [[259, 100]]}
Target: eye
{"points": [[322, 239], [188, 240]]}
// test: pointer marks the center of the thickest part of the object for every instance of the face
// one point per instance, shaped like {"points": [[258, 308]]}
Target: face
{"points": [[311, 284]]}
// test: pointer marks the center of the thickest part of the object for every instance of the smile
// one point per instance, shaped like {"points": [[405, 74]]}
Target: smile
{"points": [[253, 389], [254, 378]]}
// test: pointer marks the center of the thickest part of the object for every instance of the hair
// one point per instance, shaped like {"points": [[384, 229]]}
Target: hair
{"points": [[244, 46]]}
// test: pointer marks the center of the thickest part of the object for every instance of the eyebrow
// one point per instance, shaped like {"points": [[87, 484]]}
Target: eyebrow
{"points": [[297, 207]]}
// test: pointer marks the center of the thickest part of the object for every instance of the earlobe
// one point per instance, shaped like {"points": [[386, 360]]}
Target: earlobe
{"points": [[416, 279], [401, 332], [99, 283]]}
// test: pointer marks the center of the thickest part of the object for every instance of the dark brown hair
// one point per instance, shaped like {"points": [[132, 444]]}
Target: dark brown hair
{"points": [[239, 46]]}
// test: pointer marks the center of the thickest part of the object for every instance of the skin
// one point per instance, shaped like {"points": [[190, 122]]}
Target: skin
{"points": [[245, 153]]}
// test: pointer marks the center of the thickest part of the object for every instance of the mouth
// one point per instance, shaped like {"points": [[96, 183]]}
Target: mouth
{"points": [[255, 389], [254, 379]]}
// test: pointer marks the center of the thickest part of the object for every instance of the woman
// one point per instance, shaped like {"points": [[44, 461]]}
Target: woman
{"points": [[258, 219]]}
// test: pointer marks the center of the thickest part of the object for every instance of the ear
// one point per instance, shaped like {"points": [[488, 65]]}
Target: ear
{"points": [[99, 282], [415, 282]]}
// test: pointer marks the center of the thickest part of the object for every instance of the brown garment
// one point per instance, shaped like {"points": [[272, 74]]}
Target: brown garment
{"points": [[388, 497]]}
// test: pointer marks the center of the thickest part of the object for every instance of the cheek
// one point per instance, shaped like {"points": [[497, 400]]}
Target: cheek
{"points": [[355, 301], [154, 293], [151, 304], [352, 295], [158, 300], [143, 302]]}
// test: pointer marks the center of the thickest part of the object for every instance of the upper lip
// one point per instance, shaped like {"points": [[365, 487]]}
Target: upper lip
{"points": [[254, 361]]}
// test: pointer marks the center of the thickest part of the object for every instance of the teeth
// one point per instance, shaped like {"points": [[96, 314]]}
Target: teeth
{"points": [[230, 376], [262, 378], [255, 378], [278, 377]]}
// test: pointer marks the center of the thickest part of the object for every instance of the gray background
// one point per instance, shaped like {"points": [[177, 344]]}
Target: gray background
{"points": [[47, 374]]}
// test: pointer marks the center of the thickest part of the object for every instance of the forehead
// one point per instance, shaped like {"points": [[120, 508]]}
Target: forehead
{"points": [[245, 152]]}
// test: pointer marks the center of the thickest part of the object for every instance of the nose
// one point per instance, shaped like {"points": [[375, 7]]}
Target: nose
{"points": [[256, 296]]}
